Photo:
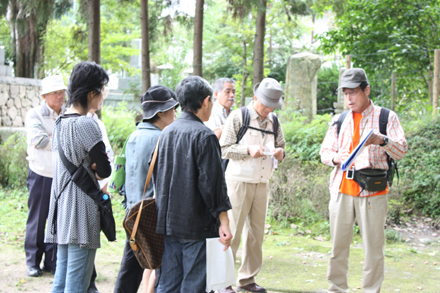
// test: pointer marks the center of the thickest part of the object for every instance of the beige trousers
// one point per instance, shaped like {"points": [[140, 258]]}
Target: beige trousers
{"points": [[370, 214], [247, 217]]}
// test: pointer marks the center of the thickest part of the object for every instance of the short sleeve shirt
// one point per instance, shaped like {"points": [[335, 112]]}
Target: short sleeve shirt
{"points": [[77, 214]]}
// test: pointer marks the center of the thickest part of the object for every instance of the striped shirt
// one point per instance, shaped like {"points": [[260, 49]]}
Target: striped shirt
{"points": [[228, 140], [373, 156]]}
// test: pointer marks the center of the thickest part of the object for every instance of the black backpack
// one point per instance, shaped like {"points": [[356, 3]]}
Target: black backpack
{"points": [[246, 116], [383, 121]]}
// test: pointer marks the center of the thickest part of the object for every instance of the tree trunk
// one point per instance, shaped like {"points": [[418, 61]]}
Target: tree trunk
{"points": [[95, 35], [198, 38], [259, 43], [26, 34], [245, 76], [94, 31], [146, 82]]}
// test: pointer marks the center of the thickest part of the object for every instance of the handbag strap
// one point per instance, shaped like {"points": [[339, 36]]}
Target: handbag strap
{"points": [[147, 181], [69, 166]]}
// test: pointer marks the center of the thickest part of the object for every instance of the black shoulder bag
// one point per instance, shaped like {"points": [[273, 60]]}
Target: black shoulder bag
{"points": [[82, 179]]}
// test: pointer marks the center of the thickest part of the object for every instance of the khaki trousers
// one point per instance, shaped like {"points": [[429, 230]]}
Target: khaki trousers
{"points": [[370, 214], [247, 217]]}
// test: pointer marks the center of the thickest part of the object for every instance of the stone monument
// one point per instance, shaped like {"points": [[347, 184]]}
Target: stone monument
{"points": [[339, 105], [302, 82]]}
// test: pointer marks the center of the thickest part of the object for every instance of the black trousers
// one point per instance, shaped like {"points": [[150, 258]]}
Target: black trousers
{"points": [[130, 273], [38, 203]]}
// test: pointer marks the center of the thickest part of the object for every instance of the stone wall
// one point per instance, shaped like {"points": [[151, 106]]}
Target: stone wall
{"points": [[17, 96]]}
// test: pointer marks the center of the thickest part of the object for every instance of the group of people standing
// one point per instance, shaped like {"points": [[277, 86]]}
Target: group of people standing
{"points": [[210, 180]]}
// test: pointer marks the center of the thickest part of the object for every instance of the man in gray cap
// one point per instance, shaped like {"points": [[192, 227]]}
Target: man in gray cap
{"points": [[348, 201], [252, 160]]}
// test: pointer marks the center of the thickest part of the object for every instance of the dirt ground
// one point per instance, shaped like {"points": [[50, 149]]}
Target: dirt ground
{"points": [[14, 278], [417, 232]]}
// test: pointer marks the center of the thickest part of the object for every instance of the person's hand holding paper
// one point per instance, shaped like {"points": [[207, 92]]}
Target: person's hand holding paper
{"points": [[375, 138], [340, 157]]}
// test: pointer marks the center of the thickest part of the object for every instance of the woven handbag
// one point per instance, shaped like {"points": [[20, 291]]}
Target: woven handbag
{"points": [[140, 225]]}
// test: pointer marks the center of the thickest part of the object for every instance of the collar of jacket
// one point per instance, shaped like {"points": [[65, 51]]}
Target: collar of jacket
{"points": [[45, 110], [254, 115], [366, 112], [189, 116], [147, 125]]}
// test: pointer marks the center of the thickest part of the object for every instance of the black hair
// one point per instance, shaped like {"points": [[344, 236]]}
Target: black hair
{"points": [[86, 77], [364, 85], [191, 92]]}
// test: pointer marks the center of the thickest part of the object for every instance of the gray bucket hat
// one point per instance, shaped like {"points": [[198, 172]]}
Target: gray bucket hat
{"points": [[157, 99], [269, 93], [352, 78]]}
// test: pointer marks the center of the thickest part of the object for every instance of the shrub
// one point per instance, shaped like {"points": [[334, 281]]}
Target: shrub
{"points": [[119, 123], [328, 78], [420, 169], [303, 140], [13, 163], [299, 190]]}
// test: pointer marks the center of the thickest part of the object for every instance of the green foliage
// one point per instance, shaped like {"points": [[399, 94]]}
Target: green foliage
{"points": [[13, 163], [385, 37], [303, 141], [171, 77], [392, 235], [119, 123], [420, 169], [327, 84], [66, 43], [5, 40], [299, 190]]}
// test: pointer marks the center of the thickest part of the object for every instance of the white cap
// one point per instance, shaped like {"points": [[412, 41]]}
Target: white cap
{"points": [[52, 83]]}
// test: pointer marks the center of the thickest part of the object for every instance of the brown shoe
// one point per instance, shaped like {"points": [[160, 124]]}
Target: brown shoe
{"points": [[227, 290], [251, 288]]}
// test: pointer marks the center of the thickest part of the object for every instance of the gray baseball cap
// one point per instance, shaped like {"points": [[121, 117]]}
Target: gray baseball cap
{"points": [[352, 78], [269, 93]]}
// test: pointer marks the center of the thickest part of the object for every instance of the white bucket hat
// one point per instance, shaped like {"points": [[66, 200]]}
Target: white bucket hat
{"points": [[52, 83], [269, 93]]}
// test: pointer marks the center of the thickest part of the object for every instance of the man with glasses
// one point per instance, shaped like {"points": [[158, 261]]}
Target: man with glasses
{"points": [[348, 201], [252, 161], [39, 123]]}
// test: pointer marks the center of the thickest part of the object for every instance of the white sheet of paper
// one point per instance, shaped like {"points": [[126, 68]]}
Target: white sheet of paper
{"points": [[220, 268]]}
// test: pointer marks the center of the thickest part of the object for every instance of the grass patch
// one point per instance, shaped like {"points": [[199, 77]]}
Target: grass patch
{"points": [[284, 254]]}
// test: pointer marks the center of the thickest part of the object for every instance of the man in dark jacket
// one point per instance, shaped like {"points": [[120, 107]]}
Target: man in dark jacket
{"points": [[191, 195]]}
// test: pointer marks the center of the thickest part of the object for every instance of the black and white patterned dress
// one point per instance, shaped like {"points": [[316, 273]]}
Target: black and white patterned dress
{"points": [[78, 218]]}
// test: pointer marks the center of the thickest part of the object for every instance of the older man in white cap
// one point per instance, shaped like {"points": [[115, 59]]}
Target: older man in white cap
{"points": [[252, 159], [39, 126]]}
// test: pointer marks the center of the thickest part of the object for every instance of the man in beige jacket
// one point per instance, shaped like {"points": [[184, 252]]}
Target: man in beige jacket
{"points": [[251, 164]]}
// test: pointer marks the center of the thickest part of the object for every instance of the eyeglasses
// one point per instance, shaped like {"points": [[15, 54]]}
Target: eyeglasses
{"points": [[351, 93]]}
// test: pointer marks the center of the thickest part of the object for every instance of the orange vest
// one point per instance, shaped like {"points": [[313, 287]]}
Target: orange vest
{"points": [[349, 186]]}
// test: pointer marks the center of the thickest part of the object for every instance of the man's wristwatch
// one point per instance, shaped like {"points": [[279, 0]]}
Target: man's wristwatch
{"points": [[385, 141]]}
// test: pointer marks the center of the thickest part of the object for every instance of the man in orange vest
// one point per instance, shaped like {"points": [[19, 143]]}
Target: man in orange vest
{"points": [[348, 200]]}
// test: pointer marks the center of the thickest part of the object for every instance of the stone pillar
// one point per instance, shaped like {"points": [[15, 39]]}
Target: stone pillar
{"points": [[302, 82], [339, 105]]}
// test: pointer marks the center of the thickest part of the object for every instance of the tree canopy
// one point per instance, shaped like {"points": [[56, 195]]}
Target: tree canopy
{"points": [[386, 36]]}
